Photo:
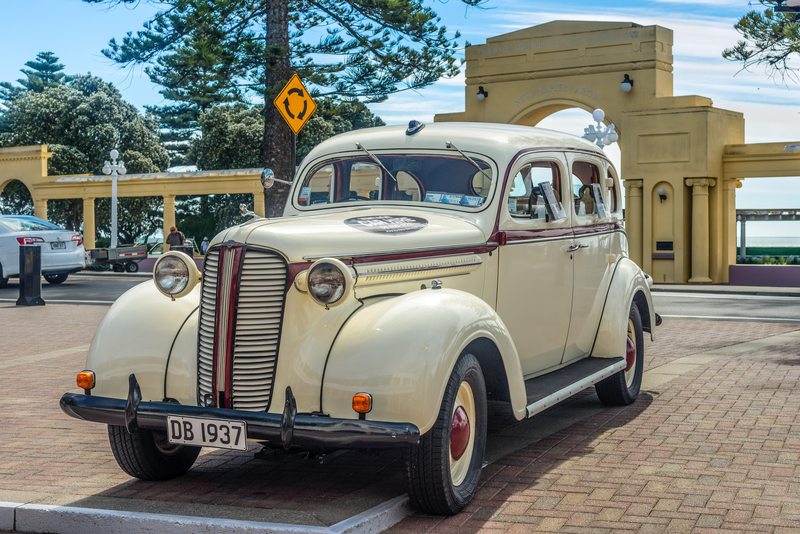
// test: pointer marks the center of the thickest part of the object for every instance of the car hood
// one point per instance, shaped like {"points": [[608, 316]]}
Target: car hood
{"points": [[357, 232]]}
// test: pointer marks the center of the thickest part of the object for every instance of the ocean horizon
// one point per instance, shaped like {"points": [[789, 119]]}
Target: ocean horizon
{"points": [[770, 241]]}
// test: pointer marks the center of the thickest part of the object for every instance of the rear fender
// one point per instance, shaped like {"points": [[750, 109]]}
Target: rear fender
{"points": [[628, 285], [136, 336], [402, 350]]}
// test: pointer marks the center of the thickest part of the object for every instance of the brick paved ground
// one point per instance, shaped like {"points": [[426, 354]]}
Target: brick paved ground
{"points": [[712, 449]]}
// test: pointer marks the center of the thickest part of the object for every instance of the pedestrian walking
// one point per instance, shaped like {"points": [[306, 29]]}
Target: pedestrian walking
{"points": [[175, 237], [204, 245]]}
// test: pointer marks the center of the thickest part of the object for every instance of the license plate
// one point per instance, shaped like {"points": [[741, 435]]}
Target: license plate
{"points": [[207, 432], [58, 245]]}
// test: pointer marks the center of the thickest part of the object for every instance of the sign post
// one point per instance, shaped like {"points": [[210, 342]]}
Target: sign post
{"points": [[296, 106]]}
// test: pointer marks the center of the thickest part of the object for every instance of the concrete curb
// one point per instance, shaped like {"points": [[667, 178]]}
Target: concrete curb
{"points": [[7, 515], [788, 293], [20, 517]]}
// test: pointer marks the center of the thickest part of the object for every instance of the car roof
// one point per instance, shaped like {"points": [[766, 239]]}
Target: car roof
{"points": [[31, 217], [488, 138]]}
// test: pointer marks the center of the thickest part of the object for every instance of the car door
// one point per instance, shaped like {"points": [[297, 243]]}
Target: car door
{"points": [[596, 232], [534, 286]]}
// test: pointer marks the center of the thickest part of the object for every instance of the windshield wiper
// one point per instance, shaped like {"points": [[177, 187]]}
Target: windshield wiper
{"points": [[374, 158], [448, 144]]}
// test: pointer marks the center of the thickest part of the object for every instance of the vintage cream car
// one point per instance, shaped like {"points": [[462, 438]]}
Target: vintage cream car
{"points": [[416, 273]]}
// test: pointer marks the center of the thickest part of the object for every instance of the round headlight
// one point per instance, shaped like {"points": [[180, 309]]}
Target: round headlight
{"points": [[175, 274], [327, 281]]}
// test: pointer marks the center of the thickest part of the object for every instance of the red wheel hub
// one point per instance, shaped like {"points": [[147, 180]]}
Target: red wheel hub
{"points": [[459, 433], [630, 354]]}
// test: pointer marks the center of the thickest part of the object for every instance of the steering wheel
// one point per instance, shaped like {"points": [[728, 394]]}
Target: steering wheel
{"points": [[345, 199]]}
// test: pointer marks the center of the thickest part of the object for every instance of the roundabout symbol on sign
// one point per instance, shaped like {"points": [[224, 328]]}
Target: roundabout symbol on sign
{"points": [[295, 104], [299, 92]]}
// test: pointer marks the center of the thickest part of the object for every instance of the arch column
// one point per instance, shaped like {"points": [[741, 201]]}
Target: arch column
{"points": [[89, 231], [258, 203], [169, 217], [700, 229], [633, 219], [729, 188], [40, 208]]}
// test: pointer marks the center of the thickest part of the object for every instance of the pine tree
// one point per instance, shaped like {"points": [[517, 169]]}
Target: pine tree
{"points": [[771, 39], [44, 72], [245, 49]]}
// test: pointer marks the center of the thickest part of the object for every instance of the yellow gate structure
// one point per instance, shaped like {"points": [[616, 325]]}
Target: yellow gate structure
{"points": [[28, 164], [681, 144]]}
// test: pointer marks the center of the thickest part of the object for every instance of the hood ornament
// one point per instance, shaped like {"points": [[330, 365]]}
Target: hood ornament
{"points": [[247, 213]]}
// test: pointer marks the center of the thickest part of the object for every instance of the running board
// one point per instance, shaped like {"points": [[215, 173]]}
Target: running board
{"points": [[546, 390]]}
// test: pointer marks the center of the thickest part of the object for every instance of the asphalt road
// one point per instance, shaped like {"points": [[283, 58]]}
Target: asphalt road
{"points": [[80, 288], [690, 305]]}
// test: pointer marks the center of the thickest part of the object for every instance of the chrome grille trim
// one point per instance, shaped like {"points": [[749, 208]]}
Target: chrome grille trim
{"points": [[258, 327], [258, 316], [208, 309]]}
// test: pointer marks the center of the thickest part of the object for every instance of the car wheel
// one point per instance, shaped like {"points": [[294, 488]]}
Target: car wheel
{"points": [[148, 455], [443, 469], [3, 281], [132, 267], [623, 388], [56, 279]]}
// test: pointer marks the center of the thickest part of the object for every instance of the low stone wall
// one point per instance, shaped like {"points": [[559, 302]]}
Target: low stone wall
{"points": [[765, 275]]}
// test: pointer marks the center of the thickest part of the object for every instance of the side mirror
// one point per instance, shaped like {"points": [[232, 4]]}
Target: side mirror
{"points": [[267, 178]]}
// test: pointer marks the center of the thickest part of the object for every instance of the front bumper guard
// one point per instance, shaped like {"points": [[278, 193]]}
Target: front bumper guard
{"points": [[288, 429]]}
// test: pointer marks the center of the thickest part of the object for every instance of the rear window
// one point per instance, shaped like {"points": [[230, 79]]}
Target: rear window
{"points": [[23, 224]]}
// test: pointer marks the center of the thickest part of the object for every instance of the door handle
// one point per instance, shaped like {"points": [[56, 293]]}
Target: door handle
{"points": [[575, 246]]}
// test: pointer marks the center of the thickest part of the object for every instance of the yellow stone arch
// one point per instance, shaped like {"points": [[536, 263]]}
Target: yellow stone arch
{"points": [[679, 141], [28, 164]]}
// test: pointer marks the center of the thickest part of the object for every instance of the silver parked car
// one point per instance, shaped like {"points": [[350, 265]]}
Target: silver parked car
{"points": [[62, 250]]}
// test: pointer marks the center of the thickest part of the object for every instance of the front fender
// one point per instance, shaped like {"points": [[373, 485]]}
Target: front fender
{"points": [[402, 350], [136, 336], [628, 283]]}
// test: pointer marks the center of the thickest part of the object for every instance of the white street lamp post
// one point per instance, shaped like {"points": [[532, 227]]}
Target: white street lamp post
{"points": [[600, 136], [114, 168]]}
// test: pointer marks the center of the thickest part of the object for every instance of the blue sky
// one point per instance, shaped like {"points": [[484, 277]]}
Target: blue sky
{"points": [[77, 32]]}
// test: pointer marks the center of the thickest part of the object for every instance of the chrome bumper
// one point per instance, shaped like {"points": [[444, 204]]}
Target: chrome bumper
{"points": [[288, 429]]}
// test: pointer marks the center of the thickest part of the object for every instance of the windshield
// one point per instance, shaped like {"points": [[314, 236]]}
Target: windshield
{"points": [[23, 224], [412, 178]]}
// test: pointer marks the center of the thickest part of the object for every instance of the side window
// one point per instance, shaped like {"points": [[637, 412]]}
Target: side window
{"points": [[613, 194], [584, 176], [526, 198]]}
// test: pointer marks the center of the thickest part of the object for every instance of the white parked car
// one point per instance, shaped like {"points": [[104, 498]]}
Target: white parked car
{"points": [[62, 250], [417, 273]]}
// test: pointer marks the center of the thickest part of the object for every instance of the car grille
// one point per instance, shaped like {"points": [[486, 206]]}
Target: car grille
{"points": [[240, 324]]}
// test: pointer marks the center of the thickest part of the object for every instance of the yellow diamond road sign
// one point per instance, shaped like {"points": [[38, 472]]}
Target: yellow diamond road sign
{"points": [[295, 104]]}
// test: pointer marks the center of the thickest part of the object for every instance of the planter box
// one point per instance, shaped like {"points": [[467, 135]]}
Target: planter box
{"points": [[765, 275]]}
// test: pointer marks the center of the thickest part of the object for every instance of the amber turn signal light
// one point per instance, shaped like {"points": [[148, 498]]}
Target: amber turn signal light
{"points": [[362, 402], [86, 379]]}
